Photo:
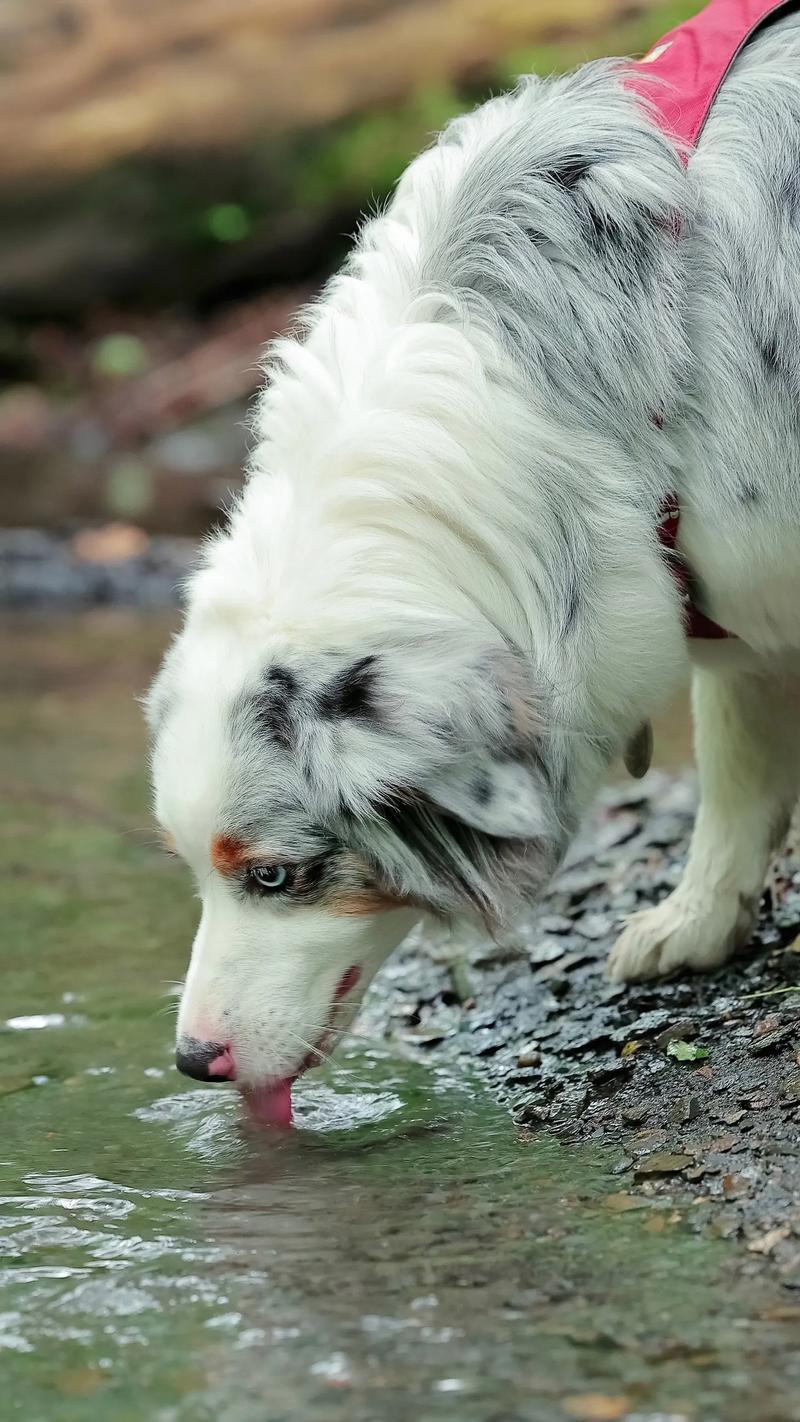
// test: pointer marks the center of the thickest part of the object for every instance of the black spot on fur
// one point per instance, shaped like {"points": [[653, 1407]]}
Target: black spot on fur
{"points": [[770, 354], [482, 788], [275, 706], [351, 693], [536, 238], [570, 171], [788, 192], [628, 245], [604, 231], [749, 493], [572, 606], [284, 678]]}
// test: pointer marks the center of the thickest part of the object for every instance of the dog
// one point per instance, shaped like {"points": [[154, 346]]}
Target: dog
{"points": [[440, 608]]}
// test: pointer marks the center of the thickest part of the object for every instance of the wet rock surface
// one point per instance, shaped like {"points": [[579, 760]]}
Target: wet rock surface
{"points": [[698, 1078]]}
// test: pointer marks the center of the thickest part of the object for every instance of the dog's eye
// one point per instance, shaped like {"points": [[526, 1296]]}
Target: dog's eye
{"points": [[269, 878]]}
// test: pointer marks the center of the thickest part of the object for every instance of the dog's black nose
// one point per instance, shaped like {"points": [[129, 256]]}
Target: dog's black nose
{"points": [[204, 1061]]}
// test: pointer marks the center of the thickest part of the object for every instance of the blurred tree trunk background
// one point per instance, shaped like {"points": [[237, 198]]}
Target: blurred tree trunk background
{"points": [[176, 177], [149, 150]]}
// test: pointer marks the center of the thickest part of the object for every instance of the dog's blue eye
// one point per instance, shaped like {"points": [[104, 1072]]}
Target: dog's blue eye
{"points": [[269, 878]]}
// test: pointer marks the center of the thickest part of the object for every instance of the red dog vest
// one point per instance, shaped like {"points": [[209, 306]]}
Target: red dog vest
{"points": [[692, 61]]}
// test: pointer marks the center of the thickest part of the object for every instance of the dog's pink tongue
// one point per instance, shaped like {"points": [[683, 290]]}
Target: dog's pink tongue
{"points": [[270, 1105]]}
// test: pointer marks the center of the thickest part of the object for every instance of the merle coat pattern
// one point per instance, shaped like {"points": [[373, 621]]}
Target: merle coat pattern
{"points": [[439, 609]]}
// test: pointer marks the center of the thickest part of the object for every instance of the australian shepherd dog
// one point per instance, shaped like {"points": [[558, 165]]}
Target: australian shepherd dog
{"points": [[440, 608]]}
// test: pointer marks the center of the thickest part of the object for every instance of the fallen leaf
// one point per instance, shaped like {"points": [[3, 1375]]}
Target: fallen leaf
{"points": [[631, 1047], [596, 1406], [685, 1051], [772, 1037], [735, 1185], [726, 1226], [678, 1032]]}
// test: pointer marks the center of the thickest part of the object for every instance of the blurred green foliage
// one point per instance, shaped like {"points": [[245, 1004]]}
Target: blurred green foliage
{"points": [[228, 222], [119, 355], [633, 35], [164, 227], [368, 153], [365, 155]]}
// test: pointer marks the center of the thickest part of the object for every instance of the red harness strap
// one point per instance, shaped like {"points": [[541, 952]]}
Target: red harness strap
{"points": [[692, 61], [695, 622]]}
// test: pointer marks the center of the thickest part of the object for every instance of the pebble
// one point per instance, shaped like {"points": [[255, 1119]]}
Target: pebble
{"points": [[686, 1108], [769, 1041], [662, 1163], [634, 1115], [529, 1056]]}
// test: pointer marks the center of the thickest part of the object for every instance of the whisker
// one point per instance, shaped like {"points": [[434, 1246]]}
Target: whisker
{"points": [[303, 1043]]}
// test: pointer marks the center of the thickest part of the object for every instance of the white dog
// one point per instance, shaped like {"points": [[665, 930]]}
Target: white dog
{"points": [[440, 608]]}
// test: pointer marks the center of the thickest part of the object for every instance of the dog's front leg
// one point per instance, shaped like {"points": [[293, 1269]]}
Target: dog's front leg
{"points": [[747, 740]]}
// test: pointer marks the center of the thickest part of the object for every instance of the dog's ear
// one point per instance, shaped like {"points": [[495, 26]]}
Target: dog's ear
{"points": [[499, 797], [497, 782]]}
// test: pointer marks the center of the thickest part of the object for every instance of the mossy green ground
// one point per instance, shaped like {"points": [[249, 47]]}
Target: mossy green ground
{"points": [[403, 1254]]}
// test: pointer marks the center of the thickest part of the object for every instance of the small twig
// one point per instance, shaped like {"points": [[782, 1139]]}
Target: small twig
{"points": [[768, 992]]}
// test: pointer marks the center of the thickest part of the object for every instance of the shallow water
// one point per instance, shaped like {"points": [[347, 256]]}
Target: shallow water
{"points": [[404, 1254]]}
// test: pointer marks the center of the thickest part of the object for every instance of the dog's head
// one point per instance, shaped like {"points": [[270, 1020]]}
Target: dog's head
{"points": [[325, 798]]}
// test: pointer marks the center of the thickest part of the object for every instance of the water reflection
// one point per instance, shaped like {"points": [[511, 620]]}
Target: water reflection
{"points": [[401, 1254]]}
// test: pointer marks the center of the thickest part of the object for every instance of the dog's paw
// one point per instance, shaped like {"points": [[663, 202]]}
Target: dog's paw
{"points": [[679, 934]]}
